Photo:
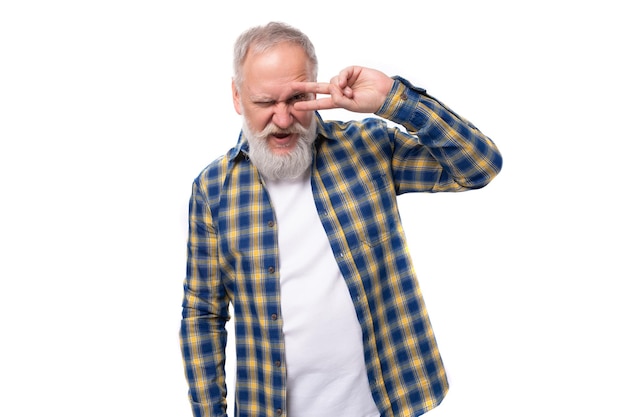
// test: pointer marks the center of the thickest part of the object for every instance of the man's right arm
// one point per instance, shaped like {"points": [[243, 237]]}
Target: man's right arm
{"points": [[205, 313]]}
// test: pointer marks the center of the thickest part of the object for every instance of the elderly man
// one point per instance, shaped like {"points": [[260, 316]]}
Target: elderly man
{"points": [[298, 227]]}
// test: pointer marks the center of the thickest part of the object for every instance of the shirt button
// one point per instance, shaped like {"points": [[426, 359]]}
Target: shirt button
{"points": [[270, 223], [404, 96], [277, 363], [274, 316], [279, 411], [271, 270]]}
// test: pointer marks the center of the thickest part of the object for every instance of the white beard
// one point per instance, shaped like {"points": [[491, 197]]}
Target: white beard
{"points": [[288, 166]]}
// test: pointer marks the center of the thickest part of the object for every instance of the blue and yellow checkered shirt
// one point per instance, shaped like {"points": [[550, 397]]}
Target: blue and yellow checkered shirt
{"points": [[358, 170]]}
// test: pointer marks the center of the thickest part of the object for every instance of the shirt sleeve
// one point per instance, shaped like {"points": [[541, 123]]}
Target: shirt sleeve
{"points": [[439, 150], [205, 313]]}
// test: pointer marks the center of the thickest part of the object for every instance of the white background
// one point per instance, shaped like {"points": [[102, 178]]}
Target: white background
{"points": [[109, 109]]}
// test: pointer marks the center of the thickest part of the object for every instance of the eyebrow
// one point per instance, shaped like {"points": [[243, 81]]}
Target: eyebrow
{"points": [[268, 99]]}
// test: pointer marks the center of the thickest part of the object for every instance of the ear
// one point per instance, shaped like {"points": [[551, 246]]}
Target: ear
{"points": [[236, 97]]}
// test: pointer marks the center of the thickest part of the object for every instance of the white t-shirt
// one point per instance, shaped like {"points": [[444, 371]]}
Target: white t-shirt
{"points": [[326, 374]]}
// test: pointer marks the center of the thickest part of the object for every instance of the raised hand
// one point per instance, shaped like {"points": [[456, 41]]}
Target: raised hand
{"points": [[357, 89]]}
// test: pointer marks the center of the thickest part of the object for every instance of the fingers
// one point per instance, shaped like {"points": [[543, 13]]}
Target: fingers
{"points": [[336, 100], [347, 91], [339, 89], [310, 87], [323, 88], [325, 103], [357, 89], [342, 79]]}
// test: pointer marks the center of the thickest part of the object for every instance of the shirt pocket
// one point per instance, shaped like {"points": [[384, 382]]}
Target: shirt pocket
{"points": [[374, 209]]}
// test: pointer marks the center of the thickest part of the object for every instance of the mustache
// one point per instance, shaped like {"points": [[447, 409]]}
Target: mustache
{"points": [[272, 129]]}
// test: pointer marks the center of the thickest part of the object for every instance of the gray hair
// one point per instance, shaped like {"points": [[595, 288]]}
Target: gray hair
{"points": [[261, 38]]}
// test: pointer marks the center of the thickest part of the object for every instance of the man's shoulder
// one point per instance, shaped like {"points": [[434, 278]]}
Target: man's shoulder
{"points": [[215, 166], [213, 174]]}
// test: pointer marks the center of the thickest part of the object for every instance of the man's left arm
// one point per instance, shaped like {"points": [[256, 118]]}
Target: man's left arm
{"points": [[440, 150]]}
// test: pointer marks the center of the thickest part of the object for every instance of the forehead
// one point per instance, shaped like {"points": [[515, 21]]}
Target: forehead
{"points": [[270, 72]]}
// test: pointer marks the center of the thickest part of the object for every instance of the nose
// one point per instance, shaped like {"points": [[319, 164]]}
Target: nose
{"points": [[282, 115]]}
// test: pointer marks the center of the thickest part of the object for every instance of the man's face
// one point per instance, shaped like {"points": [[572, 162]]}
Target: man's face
{"points": [[265, 98]]}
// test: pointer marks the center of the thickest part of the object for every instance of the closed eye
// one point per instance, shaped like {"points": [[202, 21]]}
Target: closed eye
{"points": [[293, 99], [264, 103]]}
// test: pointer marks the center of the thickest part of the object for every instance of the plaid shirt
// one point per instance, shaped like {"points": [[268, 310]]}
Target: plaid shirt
{"points": [[358, 170]]}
